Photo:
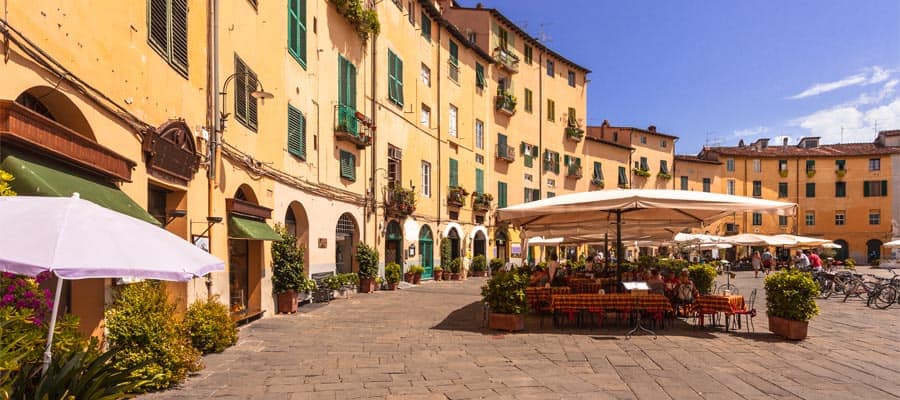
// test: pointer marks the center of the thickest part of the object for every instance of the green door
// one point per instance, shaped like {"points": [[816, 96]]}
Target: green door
{"points": [[426, 252]]}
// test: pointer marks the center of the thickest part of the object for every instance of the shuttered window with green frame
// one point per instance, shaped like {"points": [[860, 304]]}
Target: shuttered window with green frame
{"points": [[479, 181], [501, 195], [296, 133], [454, 53], [426, 26], [623, 177], [527, 155], [348, 165], [454, 173], [598, 172], [347, 96], [167, 31], [297, 30], [395, 78], [479, 76]]}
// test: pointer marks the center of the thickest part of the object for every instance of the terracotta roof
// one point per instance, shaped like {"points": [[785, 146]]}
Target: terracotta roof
{"points": [[696, 159], [497, 14], [436, 16], [646, 131], [895, 132], [826, 150], [609, 142]]}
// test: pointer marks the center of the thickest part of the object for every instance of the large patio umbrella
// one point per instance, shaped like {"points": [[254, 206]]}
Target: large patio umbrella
{"points": [[755, 239], [804, 241], [77, 239], [892, 244], [641, 207]]}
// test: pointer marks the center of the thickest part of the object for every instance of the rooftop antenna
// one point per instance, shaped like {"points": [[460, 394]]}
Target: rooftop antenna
{"points": [[542, 35], [842, 135]]}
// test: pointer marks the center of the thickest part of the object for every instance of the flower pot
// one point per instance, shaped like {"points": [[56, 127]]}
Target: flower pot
{"points": [[417, 278], [788, 328], [287, 302], [409, 278], [367, 285], [393, 286], [438, 275], [445, 275], [479, 273], [506, 322], [455, 277]]}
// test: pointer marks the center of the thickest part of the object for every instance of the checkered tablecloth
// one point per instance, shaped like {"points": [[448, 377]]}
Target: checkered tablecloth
{"points": [[718, 303], [538, 295], [586, 287], [617, 301]]}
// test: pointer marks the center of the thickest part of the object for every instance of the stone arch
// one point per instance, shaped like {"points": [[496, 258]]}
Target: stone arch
{"points": [[873, 250], [246, 193], [842, 253], [56, 106], [296, 222]]}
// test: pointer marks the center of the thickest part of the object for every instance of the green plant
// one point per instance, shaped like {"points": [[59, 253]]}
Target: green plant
{"points": [[332, 282], [479, 263], [703, 276], [850, 263], [445, 251], [663, 175], [210, 327], [365, 21], [505, 293], [416, 270], [367, 258], [496, 264], [783, 173], [791, 294], [438, 269], [840, 172], [5, 179], [141, 324], [287, 262], [348, 279], [392, 273], [641, 172], [455, 265], [308, 285]]}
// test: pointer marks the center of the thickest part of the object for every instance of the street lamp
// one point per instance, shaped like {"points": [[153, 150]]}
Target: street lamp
{"points": [[261, 94]]}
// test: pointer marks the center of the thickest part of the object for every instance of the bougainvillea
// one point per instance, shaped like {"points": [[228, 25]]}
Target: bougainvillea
{"points": [[23, 292]]}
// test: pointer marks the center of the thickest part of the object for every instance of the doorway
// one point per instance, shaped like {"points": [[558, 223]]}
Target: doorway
{"points": [[426, 252], [873, 251], [239, 274], [842, 253], [345, 238], [393, 246], [453, 237], [500, 240], [479, 245]]}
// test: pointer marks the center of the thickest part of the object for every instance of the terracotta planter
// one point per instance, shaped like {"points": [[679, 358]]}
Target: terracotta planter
{"points": [[417, 279], [455, 277], [409, 278], [506, 322], [438, 275], [393, 286], [479, 273], [366, 285], [287, 302], [446, 275], [788, 328]]}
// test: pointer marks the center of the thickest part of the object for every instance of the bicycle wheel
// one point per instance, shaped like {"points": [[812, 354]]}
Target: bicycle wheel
{"points": [[884, 297], [826, 288], [854, 288]]}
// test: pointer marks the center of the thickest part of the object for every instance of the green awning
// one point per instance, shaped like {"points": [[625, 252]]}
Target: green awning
{"points": [[35, 177], [246, 228]]}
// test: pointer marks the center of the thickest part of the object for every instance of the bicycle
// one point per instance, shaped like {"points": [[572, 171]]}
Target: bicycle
{"points": [[887, 292]]}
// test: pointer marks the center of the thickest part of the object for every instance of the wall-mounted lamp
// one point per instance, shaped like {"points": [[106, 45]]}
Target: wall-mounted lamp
{"points": [[171, 215]]}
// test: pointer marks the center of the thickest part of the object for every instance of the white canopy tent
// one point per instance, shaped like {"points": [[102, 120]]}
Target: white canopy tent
{"points": [[894, 244], [755, 239], [804, 241]]}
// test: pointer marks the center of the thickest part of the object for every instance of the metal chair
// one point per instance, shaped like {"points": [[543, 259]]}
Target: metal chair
{"points": [[749, 312]]}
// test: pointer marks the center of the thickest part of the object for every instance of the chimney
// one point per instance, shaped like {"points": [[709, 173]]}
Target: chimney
{"points": [[741, 143], [651, 128], [784, 143], [478, 5], [605, 122]]}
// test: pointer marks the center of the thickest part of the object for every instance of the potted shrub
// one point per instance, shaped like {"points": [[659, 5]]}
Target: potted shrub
{"points": [[392, 275], [478, 265], [445, 274], [496, 265], [417, 271], [409, 276], [505, 296], [287, 271], [791, 303], [307, 288], [379, 282], [438, 272], [703, 276], [367, 258], [455, 266]]}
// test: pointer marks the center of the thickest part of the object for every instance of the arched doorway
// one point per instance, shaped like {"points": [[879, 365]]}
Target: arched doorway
{"points": [[345, 238], [247, 231], [453, 237], [426, 251], [842, 253], [297, 223], [393, 245], [873, 250], [500, 241], [479, 244]]}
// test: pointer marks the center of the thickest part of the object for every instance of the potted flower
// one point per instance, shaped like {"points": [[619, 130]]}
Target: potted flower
{"points": [[409, 276], [479, 263], [791, 303], [438, 271], [392, 275], [496, 265], [455, 267], [379, 282], [287, 271], [505, 297], [367, 257], [417, 271], [307, 288]]}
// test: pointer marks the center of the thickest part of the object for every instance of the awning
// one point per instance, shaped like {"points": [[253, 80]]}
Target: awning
{"points": [[36, 178], [246, 228]]}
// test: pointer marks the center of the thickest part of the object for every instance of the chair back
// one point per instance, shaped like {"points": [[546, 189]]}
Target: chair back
{"points": [[752, 300], [657, 287], [685, 293]]}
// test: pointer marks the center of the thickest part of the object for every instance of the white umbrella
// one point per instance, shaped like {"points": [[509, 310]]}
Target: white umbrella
{"points": [[755, 239], [892, 244], [831, 245], [77, 239], [804, 241]]}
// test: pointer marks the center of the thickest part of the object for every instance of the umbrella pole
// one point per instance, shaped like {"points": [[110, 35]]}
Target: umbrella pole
{"points": [[619, 254], [48, 354]]}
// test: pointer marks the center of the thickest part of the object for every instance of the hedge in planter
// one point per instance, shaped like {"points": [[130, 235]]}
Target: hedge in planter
{"points": [[287, 270], [392, 275], [703, 276], [478, 265], [210, 327], [505, 296], [367, 258], [791, 294]]}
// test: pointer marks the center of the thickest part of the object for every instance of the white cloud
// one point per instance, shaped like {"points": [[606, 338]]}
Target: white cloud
{"points": [[879, 75], [886, 91], [848, 123], [750, 131], [875, 74]]}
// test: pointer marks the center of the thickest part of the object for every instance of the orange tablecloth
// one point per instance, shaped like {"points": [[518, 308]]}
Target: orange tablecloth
{"points": [[617, 301], [536, 295], [586, 287], [718, 303]]}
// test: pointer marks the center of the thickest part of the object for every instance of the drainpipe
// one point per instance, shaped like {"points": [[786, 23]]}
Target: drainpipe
{"points": [[540, 122], [440, 175], [797, 184], [374, 179], [212, 118]]}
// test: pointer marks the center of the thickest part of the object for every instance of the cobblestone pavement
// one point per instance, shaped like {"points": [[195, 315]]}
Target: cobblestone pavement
{"points": [[427, 343]]}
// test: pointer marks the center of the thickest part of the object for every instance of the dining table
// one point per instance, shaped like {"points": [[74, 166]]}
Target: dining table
{"points": [[715, 304]]}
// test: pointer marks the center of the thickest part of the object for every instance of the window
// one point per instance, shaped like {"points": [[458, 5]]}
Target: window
{"points": [[410, 7], [395, 78], [573, 165], [425, 117], [501, 195], [394, 166], [782, 166], [347, 95], [840, 165], [454, 61], [348, 165], [529, 55], [297, 30], [874, 164], [874, 217], [810, 166], [479, 159], [757, 188], [426, 179], [529, 105], [643, 140], [810, 190], [664, 167], [244, 102], [623, 178], [550, 72], [875, 188], [472, 37], [502, 38], [551, 161], [729, 186], [426, 26], [644, 165], [598, 172], [454, 173], [532, 194], [426, 75], [757, 166], [663, 143], [479, 181], [782, 190], [296, 133], [810, 218], [479, 76], [840, 218], [551, 195], [167, 31], [840, 189], [551, 110], [684, 183], [571, 76], [528, 152], [782, 220], [757, 219], [729, 165], [479, 134], [453, 121], [706, 185]]}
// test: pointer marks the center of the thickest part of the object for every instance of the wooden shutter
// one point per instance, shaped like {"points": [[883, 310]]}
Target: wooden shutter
{"points": [[479, 75], [351, 85], [426, 26], [240, 90], [866, 192], [392, 79], [884, 188], [501, 142], [454, 173], [251, 101], [479, 180], [454, 53], [398, 74], [179, 34], [296, 133], [556, 163], [158, 24], [664, 166], [623, 180], [342, 80], [501, 194], [573, 119], [348, 165]]}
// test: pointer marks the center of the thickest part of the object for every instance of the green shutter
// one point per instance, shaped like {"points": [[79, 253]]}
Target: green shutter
{"points": [[884, 188], [454, 53], [297, 30], [296, 133], [454, 173], [567, 159], [623, 180], [395, 78], [556, 163], [664, 166], [348, 166], [479, 181], [179, 35], [479, 76], [501, 194], [598, 171], [501, 144], [426, 26], [866, 189]]}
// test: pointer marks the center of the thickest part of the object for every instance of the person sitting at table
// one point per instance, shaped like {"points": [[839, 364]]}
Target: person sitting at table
{"points": [[539, 277], [655, 282]]}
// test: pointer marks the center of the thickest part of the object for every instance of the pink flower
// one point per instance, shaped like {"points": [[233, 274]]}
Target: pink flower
{"points": [[8, 299], [47, 293], [28, 294]]}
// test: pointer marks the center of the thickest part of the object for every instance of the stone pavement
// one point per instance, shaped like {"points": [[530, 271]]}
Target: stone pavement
{"points": [[428, 342]]}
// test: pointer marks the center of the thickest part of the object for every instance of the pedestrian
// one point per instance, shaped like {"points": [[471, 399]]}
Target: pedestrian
{"points": [[767, 261], [815, 261], [756, 262], [801, 261]]}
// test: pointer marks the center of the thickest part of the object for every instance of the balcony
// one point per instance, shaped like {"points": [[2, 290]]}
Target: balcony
{"points": [[574, 171], [400, 201], [352, 126], [598, 182], [456, 196], [642, 172], [481, 202], [505, 102], [506, 152], [574, 133], [507, 59], [840, 172]]}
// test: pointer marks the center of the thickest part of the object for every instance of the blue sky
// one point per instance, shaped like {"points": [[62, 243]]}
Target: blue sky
{"points": [[718, 71]]}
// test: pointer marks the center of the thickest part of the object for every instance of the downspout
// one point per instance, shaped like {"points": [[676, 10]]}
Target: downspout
{"points": [[540, 122], [797, 180], [212, 118], [373, 178], [440, 175]]}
